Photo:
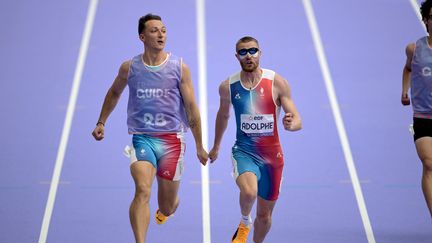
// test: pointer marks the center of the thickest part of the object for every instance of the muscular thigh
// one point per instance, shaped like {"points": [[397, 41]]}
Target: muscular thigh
{"points": [[424, 150]]}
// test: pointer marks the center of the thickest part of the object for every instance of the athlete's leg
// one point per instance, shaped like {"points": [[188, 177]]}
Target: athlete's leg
{"points": [[424, 151], [263, 219], [247, 183], [143, 174], [167, 195]]}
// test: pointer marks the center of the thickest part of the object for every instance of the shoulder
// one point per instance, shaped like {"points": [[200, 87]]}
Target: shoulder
{"points": [[185, 72], [184, 66], [224, 88], [279, 81], [125, 65], [409, 49], [124, 68]]}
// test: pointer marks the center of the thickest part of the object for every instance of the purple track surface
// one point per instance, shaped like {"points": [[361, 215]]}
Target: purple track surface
{"points": [[364, 43]]}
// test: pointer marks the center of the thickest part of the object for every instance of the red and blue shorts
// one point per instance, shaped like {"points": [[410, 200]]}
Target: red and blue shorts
{"points": [[165, 151], [265, 162]]}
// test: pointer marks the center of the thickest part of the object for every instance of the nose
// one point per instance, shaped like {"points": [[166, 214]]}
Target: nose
{"points": [[248, 56]]}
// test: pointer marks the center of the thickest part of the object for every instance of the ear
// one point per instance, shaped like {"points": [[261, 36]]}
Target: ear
{"points": [[141, 37]]}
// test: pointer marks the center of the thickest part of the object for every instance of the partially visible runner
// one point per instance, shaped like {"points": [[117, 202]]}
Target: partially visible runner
{"points": [[417, 76]]}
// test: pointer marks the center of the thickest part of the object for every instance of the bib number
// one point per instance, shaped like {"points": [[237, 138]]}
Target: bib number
{"points": [[157, 120], [258, 125]]}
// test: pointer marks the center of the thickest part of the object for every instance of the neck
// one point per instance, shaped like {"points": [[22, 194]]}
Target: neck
{"points": [[153, 58], [251, 77]]}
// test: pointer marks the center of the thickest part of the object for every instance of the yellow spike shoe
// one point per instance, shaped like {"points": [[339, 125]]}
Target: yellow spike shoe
{"points": [[241, 234], [160, 218]]}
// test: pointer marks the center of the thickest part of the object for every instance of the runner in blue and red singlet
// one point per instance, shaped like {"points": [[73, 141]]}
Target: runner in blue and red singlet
{"points": [[256, 95]]}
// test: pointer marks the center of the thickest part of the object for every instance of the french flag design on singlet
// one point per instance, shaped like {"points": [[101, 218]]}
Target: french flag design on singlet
{"points": [[255, 111]]}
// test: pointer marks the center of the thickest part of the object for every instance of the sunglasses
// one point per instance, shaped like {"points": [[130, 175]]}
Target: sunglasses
{"points": [[243, 52]]}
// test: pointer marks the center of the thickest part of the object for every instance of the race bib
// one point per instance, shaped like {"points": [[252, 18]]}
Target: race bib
{"points": [[257, 125]]}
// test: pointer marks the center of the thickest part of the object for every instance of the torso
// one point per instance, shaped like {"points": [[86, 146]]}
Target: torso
{"points": [[255, 110], [421, 78], [155, 104]]}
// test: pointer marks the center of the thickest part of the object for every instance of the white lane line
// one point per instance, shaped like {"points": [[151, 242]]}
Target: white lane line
{"points": [[68, 121], [202, 84], [338, 119]]}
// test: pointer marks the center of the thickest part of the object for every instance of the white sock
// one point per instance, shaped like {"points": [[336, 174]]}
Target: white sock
{"points": [[247, 220]]}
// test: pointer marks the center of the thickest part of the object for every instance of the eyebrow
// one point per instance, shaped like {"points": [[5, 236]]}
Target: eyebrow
{"points": [[156, 28]]}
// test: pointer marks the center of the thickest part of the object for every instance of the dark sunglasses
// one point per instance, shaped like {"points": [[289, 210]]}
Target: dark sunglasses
{"points": [[244, 52]]}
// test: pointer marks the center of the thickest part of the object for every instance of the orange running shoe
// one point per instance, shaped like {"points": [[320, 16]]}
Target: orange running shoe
{"points": [[160, 218], [241, 234]]}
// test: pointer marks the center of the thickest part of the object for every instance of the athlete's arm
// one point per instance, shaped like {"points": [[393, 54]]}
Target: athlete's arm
{"points": [[221, 118], [111, 99], [192, 112], [291, 120], [406, 74]]}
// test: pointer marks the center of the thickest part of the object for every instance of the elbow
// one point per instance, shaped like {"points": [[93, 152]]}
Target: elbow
{"points": [[223, 115]]}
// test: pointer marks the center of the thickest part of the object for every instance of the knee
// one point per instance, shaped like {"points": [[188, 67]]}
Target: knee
{"points": [[143, 192], [427, 164], [249, 194], [264, 218]]}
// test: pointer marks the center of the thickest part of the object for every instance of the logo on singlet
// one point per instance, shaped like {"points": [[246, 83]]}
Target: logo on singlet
{"points": [[151, 93], [426, 71], [237, 96], [261, 92]]}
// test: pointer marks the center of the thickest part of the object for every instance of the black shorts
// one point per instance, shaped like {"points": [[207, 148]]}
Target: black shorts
{"points": [[422, 128]]}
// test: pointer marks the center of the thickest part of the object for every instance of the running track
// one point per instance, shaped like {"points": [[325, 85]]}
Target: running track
{"points": [[355, 79]]}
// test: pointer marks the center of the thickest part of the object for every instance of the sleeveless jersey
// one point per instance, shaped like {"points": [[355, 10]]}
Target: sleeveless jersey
{"points": [[255, 110], [421, 77], [155, 102]]}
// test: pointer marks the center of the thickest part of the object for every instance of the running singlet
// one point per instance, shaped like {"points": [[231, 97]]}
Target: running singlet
{"points": [[421, 78], [255, 111], [155, 102]]}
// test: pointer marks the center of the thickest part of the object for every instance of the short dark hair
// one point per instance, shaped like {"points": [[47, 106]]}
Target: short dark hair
{"points": [[246, 39], [425, 9], [144, 19]]}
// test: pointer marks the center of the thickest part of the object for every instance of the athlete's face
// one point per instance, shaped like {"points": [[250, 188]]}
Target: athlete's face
{"points": [[248, 54], [154, 34]]}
